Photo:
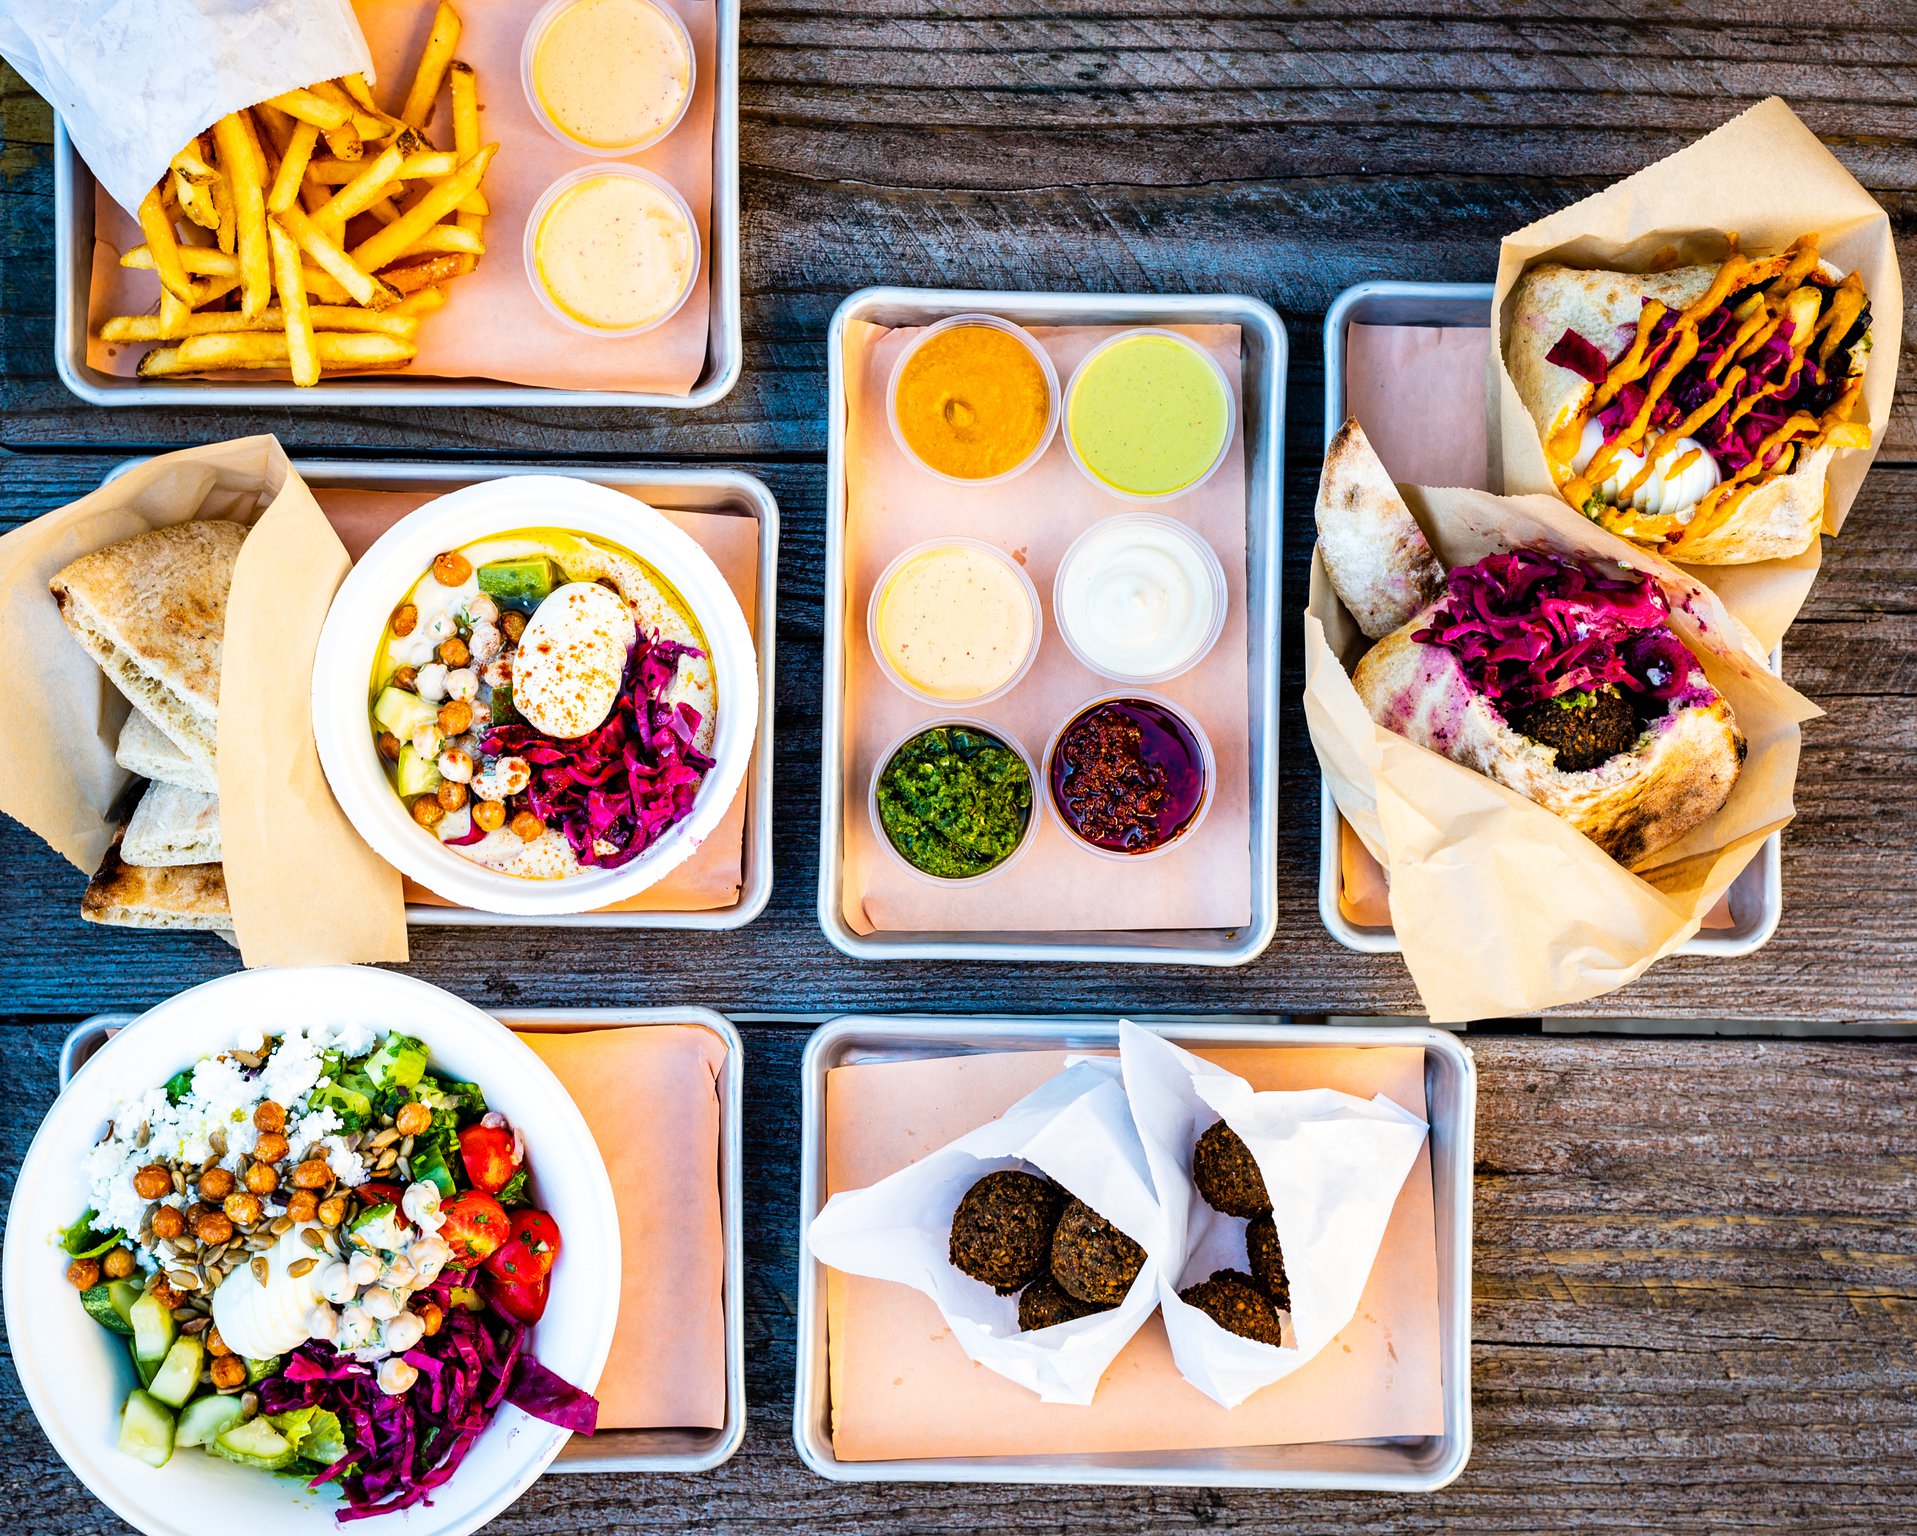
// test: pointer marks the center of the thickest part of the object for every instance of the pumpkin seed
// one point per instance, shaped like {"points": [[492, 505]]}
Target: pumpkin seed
{"points": [[261, 1269], [406, 1147], [144, 1134], [312, 1238], [282, 1224], [182, 1280], [301, 1267], [386, 1160], [217, 1141], [179, 1182], [196, 1325]]}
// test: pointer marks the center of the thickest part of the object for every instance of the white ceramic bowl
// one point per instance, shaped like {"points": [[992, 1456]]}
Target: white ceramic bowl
{"points": [[356, 625], [76, 1374]]}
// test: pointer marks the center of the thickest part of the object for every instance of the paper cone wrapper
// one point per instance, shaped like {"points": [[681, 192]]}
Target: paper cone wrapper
{"points": [[1502, 907], [134, 80], [1333, 1165], [1764, 177], [303, 888], [1077, 1128]]}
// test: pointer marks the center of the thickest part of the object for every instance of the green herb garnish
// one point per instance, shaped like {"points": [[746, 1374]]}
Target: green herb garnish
{"points": [[955, 802]]}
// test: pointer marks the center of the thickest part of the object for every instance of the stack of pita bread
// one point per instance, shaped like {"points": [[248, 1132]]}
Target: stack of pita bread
{"points": [[151, 610]]}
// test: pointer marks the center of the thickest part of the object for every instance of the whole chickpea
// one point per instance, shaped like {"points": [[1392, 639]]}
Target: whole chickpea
{"points": [[407, 678], [405, 619], [269, 1116], [83, 1274], [271, 1147], [413, 1119], [452, 569], [451, 796], [428, 812], [168, 1222], [216, 1184], [215, 1345], [117, 1263], [512, 624], [432, 1317], [455, 716], [152, 1181], [261, 1178], [229, 1373], [332, 1210], [454, 651], [302, 1205], [214, 1227], [490, 814], [243, 1209], [527, 827], [312, 1174], [161, 1290], [388, 745]]}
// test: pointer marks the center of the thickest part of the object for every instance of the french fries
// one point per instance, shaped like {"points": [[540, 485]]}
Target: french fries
{"points": [[313, 233]]}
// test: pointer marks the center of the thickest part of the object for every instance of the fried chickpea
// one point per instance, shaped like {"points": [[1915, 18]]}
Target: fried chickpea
{"points": [[312, 1174], [229, 1373], [243, 1209], [261, 1178], [456, 717], [198, 1209], [452, 569], [302, 1205], [527, 827], [216, 1184], [83, 1274], [269, 1116], [213, 1228], [451, 796], [271, 1147], [407, 678], [512, 624], [332, 1210], [388, 745], [431, 1318], [413, 1119], [405, 620], [161, 1290], [215, 1345], [490, 814], [168, 1222], [454, 651], [428, 812], [152, 1181], [117, 1263]]}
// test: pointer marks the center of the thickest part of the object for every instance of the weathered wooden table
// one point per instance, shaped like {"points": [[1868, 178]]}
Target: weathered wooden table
{"points": [[1697, 1266]]}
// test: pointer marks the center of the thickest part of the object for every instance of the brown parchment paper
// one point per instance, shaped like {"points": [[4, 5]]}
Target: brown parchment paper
{"points": [[493, 325], [304, 889], [1765, 177], [893, 503], [901, 1387], [712, 877], [1502, 907], [650, 1093]]}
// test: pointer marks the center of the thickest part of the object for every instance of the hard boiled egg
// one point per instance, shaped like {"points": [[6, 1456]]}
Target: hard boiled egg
{"points": [[571, 658]]}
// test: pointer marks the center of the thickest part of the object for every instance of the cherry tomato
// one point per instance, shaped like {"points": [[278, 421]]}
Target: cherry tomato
{"points": [[475, 1227], [380, 1192], [526, 1303], [540, 1233], [513, 1263], [487, 1152]]}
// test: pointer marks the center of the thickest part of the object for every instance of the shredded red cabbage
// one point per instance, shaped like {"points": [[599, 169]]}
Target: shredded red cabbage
{"points": [[1529, 626], [399, 1449], [630, 781], [473, 833], [1574, 352]]}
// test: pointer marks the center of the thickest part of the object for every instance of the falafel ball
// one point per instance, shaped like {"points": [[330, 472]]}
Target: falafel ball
{"points": [[1267, 1261], [1091, 1259], [1002, 1229], [1586, 728], [1045, 1304], [1234, 1302], [1227, 1174]]}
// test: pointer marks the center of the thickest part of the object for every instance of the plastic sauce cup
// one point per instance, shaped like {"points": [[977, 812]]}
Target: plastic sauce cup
{"points": [[873, 625], [612, 84], [990, 322], [550, 203], [998, 734], [1208, 768], [1214, 592], [1084, 402]]}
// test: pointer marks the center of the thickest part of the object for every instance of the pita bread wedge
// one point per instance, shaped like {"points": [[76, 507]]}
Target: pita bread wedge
{"points": [[1377, 556], [183, 896], [172, 826], [147, 750], [151, 610]]}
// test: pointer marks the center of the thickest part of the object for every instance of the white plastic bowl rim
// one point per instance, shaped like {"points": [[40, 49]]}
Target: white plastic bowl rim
{"points": [[355, 628], [76, 1374]]}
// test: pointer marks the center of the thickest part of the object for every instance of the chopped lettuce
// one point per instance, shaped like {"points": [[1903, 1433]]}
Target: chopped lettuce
{"points": [[83, 1241]]}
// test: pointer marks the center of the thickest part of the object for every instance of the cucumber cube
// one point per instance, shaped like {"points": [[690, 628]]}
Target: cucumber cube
{"points": [[146, 1430]]}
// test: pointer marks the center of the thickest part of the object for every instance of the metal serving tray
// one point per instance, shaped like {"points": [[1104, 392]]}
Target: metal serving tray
{"points": [[1756, 896], [698, 490], [614, 1450], [1264, 362], [725, 340], [1416, 1465]]}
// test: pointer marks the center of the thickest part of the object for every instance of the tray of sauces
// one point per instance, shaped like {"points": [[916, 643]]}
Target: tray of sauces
{"points": [[1052, 589]]}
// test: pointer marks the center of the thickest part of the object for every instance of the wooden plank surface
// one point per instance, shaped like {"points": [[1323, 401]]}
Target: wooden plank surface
{"points": [[1694, 1289]]}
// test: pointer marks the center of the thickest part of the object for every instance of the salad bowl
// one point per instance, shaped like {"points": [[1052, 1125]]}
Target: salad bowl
{"points": [[76, 1374]]}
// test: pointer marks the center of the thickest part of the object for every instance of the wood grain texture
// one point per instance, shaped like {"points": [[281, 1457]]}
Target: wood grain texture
{"points": [[1694, 1290]]}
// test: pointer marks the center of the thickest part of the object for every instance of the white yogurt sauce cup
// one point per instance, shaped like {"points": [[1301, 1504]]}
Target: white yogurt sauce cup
{"points": [[1139, 598]]}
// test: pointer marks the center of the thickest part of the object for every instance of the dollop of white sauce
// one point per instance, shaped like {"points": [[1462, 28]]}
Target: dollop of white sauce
{"points": [[1138, 598], [1662, 494], [570, 661], [261, 1321]]}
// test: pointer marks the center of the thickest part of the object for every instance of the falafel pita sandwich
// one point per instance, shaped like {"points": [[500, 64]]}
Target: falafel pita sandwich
{"points": [[1561, 757]]}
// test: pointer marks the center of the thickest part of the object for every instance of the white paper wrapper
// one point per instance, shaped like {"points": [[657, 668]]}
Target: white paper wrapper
{"points": [[1333, 1165], [1076, 1128], [134, 80]]}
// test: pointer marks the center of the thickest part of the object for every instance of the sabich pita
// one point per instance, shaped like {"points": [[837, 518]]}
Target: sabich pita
{"points": [[152, 611], [145, 749], [184, 896], [1374, 551], [172, 826]]}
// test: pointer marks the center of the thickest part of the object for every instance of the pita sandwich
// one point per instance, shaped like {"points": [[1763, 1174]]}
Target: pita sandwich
{"points": [[172, 826], [181, 896], [146, 750], [151, 610], [1377, 556]]}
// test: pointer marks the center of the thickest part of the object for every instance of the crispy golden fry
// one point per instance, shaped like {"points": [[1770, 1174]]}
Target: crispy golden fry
{"points": [[324, 317], [383, 210], [445, 239], [256, 349], [323, 287], [422, 301], [241, 166], [345, 142], [191, 162], [423, 274], [421, 162], [308, 108], [418, 110], [163, 244], [356, 87], [227, 231], [195, 200], [172, 318], [336, 263], [368, 187], [197, 260], [371, 126], [466, 128], [294, 159], [302, 351], [440, 199]]}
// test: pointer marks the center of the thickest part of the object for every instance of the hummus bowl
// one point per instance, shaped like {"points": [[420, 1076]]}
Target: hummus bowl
{"points": [[613, 632]]}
